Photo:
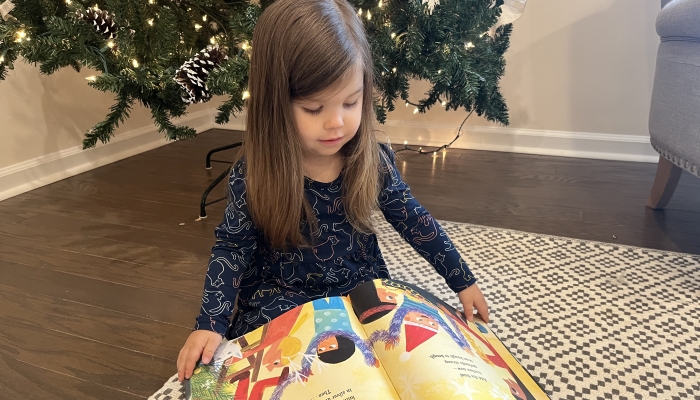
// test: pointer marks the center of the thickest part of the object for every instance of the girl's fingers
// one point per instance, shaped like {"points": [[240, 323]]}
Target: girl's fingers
{"points": [[209, 350], [483, 310], [180, 366], [192, 358], [469, 311]]}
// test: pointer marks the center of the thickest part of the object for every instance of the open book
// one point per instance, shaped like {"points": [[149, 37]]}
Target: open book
{"points": [[386, 340]]}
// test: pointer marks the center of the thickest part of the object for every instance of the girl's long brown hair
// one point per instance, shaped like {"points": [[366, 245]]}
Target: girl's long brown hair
{"points": [[301, 48]]}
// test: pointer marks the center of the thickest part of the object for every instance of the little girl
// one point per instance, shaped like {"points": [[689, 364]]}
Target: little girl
{"points": [[298, 224]]}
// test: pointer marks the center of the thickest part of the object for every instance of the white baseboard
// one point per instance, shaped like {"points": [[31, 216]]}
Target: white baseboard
{"points": [[530, 141], [50, 168], [31, 174]]}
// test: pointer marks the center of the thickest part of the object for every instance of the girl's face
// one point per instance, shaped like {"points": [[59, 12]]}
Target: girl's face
{"points": [[328, 120]]}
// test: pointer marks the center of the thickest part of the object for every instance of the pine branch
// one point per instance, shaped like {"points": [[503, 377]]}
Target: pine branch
{"points": [[104, 130]]}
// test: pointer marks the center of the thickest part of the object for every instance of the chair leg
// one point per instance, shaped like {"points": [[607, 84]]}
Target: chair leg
{"points": [[667, 176]]}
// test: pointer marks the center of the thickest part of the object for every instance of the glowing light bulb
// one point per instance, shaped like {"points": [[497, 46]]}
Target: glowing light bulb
{"points": [[444, 103], [469, 45], [381, 3], [393, 69], [204, 17], [151, 1], [135, 63], [96, 8], [359, 12], [2, 59], [68, 1], [197, 27], [110, 44], [246, 94], [405, 142], [415, 111], [244, 46], [91, 78], [369, 15], [150, 21], [393, 35], [212, 40], [406, 104]]}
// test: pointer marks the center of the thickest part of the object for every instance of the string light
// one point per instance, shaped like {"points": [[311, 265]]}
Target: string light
{"points": [[393, 69], [2, 59], [212, 40], [110, 44], [444, 103], [244, 46], [393, 35], [381, 3], [405, 142], [151, 1], [91, 78], [204, 17], [415, 111], [21, 35], [96, 8], [197, 27], [406, 104], [469, 45], [359, 12], [439, 71], [246, 94], [68, 1], [135, 63], [369, 15], [150, 21]]}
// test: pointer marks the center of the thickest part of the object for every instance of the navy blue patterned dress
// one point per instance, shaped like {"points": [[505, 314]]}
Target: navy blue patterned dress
{"points": [[266, 282]]}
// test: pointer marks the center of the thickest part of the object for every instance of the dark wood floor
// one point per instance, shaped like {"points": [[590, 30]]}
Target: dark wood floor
{"points": [[101, 273]]}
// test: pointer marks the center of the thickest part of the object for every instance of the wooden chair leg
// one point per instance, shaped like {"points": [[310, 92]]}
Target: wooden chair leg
{"points": [[667, 176]]}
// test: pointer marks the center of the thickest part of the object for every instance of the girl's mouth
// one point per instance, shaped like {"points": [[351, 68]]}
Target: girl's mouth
{"points": [[332, 141]]}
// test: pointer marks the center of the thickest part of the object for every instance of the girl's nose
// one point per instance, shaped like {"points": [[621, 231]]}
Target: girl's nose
{"points": [[334, 122]]}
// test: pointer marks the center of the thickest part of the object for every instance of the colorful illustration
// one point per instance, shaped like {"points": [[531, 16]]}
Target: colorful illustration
{"points": [[402, 339]]}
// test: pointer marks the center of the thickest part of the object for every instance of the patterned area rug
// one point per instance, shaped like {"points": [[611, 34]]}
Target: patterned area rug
{"points": [[588, 320]]}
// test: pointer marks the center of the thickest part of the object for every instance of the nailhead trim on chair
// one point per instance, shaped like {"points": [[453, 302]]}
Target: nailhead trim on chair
{"points": [[681, 162]]}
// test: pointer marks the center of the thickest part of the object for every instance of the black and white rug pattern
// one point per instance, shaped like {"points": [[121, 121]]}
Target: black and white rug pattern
{"points": [[588, 320]]}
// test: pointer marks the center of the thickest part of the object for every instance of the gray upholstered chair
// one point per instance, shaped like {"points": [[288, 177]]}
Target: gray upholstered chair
{"points": [[674, 120]]}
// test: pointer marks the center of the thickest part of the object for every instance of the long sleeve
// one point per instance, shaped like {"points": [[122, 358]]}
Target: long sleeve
{"points": [[420, 230], [236, 241]]}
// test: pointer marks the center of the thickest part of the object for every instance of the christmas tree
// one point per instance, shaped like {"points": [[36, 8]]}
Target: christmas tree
{"points": [[167, 54]]}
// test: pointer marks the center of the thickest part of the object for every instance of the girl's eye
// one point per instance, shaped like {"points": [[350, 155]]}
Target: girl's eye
{"points": [[318, 110], [314, 112]]}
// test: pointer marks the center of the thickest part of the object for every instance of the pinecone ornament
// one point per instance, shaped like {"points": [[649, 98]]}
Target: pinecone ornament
{"points": [[102, 21], [192, 75]]}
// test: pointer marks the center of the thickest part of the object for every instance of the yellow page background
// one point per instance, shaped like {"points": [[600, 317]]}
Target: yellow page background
{"points": [[438, 369], [363, 381], [347, 380]]}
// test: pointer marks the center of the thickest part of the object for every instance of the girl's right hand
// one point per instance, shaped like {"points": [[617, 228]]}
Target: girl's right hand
{"points": [[200, 343]]}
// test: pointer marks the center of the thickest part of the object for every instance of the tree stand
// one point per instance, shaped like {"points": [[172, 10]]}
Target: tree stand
{"points": [[203, 204]]}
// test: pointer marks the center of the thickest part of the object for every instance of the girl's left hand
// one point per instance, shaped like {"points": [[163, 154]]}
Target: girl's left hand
{"points": [[472, 298]]}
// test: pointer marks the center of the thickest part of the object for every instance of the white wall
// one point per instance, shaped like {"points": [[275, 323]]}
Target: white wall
{"points": [[578, 83], [43, 120]]}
